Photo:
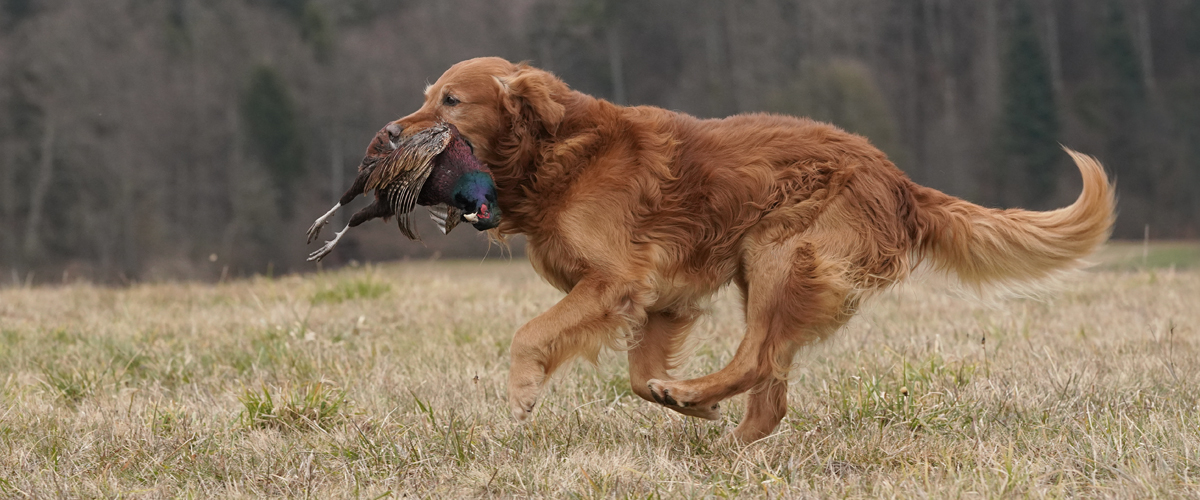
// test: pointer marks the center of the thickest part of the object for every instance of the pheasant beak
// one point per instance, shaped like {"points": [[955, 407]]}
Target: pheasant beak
{"points": [[474, 217]]}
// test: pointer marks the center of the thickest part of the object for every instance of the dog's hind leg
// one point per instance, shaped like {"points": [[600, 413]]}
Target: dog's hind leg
{"points": [[653, 353], [793, 296], [766, 405]]}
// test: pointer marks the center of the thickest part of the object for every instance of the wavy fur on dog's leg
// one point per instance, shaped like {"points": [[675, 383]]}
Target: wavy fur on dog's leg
{"points": [[587, 319], [793, 296], [654, 352], [766, 405]]}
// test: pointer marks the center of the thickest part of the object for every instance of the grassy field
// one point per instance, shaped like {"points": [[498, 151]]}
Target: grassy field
{"points": [[387, 381]]}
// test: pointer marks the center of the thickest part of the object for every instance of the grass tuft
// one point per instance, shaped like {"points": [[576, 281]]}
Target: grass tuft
{"points": [[310, 406], [70, 385]]}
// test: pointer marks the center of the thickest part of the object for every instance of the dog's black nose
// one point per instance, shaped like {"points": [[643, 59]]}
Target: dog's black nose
{"points": [[394, 130]]}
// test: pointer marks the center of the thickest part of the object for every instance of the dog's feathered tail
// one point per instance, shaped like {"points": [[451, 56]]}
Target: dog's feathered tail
{"points": [[1008, 247]]}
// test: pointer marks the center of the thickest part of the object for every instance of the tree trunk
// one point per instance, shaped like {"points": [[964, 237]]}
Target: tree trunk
{"points": [[1052, 50], [615, 65], [990, 80], [915, 123], [8, 206], [40, 188], [1144, 46], [732, 56], [716, 56]]}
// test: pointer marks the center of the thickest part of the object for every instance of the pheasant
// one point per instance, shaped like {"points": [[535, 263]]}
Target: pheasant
{"points": [[434, 167]]}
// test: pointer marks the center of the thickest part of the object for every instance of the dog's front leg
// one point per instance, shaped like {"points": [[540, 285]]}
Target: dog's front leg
{"points": [[588, 318]]}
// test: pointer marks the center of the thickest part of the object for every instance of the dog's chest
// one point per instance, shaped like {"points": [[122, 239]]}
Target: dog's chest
{"points": [[555, 263]]}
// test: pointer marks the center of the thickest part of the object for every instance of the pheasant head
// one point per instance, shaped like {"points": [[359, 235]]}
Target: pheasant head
{"points": [[461, 181]]}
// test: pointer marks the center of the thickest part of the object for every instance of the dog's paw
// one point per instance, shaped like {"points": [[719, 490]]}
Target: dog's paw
{"points": [[522, 395], [521, 412], [521, 405], [668, 394], [748, 432]]}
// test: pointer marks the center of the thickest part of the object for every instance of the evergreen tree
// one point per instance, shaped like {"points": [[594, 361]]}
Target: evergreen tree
{"points": [[295, 8], [178, 37], [17, 10], [317, 30], [1028, 131], [1122, 103], [843, 93], [273, 130], [1188, 114]]}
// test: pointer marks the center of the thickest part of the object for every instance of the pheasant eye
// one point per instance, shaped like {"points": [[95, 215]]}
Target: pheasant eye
{"points": [[450, 100]]}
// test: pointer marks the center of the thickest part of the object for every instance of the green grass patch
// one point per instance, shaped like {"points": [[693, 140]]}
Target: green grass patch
{"points": [[72, 385], [920, 396], [1132, 256], [305, 407], [364, 288]]}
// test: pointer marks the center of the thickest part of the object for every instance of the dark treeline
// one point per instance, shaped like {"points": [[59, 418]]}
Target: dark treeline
{"points": [[149, 139]]}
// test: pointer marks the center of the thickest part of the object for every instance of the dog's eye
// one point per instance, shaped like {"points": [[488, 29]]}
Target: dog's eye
{"points": [[450, 100]]}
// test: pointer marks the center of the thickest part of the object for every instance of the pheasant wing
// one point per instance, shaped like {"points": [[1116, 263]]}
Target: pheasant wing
{"points": [[445, 216], [399, 177], [404, 198]]}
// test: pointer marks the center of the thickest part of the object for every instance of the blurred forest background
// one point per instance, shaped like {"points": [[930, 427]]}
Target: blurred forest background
{"points": [[157, 139]]}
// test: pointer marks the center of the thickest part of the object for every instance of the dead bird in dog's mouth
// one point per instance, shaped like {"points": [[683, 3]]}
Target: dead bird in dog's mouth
{"points": [[434, 167]]}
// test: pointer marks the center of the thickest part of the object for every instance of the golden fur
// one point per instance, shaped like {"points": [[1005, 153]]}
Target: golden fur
{"points": [[640, 213]]}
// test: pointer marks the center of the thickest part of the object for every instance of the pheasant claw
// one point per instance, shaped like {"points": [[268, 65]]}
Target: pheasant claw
{"points": [[323, 251], [315, 229]]}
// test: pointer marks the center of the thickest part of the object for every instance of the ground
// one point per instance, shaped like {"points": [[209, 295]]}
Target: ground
{"points": [[389, 380]]}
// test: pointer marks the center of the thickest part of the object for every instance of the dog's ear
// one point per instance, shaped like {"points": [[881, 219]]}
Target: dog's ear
{"points": [[530, 93]]}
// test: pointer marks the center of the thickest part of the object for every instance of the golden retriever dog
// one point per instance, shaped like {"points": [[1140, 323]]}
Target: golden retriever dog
{"points": [[639, 214]]}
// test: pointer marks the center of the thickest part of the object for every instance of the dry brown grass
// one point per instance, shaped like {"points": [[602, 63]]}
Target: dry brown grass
{"points": [[390, 380]]}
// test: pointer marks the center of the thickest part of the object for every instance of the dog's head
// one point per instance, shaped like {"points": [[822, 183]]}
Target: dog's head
{"points": [[490, 100]]}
